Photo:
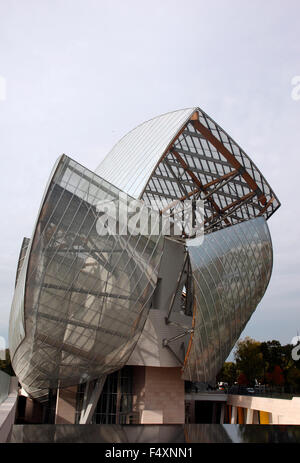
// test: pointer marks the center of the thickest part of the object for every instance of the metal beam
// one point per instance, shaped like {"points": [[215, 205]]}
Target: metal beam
{"points": [[207, 173], [91, 402], [230, 158], [228, 177], [222, 180], [177, 287], [82, 324], [238, 201], [87, 292], [192, 333], [267, 205], [176, 201], [239, 204], [178, 336], [197, 182]]}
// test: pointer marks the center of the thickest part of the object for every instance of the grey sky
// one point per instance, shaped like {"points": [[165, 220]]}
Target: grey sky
{"points": [[80, 74]]}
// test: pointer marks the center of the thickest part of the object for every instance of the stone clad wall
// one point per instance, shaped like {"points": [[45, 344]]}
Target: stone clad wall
{"points": [[164, 391], [66, 405]]}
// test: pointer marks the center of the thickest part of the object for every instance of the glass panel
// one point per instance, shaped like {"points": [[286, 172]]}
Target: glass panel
{"points": [[87, 295], [4, 386], [231, 271]]}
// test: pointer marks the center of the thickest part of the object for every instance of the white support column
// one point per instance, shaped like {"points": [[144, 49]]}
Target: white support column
{"points": [[91, 402], [255, 417], [233, 415], [86, 396], [249, 416]]}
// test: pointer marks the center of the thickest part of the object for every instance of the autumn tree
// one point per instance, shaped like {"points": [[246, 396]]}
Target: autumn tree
{"points": [[249, 359], [277, 376], [269, 362]]}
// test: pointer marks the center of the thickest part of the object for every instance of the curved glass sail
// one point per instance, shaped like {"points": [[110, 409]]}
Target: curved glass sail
{"points": [[82, 296], [231, 271]]}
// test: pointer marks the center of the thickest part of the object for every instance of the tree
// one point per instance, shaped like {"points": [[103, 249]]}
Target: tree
{"points": [[242, 380], [272, 354], [269, 362], [293, 377], [227, 373], [249, 359], [277, 376], [287, 360]]}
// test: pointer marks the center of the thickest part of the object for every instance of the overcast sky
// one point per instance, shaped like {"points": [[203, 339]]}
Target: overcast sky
{"points": [[77, 75]]}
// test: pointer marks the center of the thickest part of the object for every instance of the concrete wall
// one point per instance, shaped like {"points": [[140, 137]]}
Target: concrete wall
{"points": [[149, 350]]}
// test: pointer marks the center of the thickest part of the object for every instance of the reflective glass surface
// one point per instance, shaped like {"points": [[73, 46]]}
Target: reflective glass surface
{"points": [[231, 271], [4, 386], [82, 297], [189, 433]]}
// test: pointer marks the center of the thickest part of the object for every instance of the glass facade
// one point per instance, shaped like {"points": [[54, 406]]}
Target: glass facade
{"points": [[25, 244], [231, 271], [115, 403], [4, 386], [87, 295]]}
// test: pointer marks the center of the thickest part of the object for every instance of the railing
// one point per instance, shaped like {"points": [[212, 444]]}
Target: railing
{"points": [[267, 392], [256, 391], [203, 389], [4, 386]]}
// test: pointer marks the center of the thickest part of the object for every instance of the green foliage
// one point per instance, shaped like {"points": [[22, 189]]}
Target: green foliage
{"points": [[275, 354], [267, 362], [293, 377], [272, 353], [228, 373], [249, 359]]}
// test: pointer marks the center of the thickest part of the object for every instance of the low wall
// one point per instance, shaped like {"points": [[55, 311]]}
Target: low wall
{"points": [[8, 409], [281, 411]]}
